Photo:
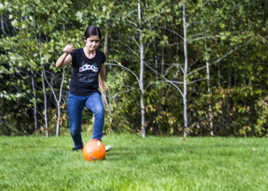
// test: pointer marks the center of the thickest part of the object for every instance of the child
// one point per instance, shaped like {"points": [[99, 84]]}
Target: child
{"points": [[88, 73]]}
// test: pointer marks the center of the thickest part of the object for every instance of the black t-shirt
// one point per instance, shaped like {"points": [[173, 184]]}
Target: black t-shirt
{"points": [[84, 78]]}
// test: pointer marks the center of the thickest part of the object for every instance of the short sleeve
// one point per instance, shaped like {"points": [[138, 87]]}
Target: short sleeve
{"points": [[72, 53], [74, 57]]}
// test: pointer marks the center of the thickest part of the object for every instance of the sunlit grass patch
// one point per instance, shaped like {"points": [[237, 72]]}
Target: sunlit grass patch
{"points": [[134, 163]]}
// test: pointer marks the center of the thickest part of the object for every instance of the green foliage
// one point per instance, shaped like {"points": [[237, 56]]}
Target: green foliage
{"points": [[230, 35], [124, 111], [163, 117], [262, 120], [235, 111]]}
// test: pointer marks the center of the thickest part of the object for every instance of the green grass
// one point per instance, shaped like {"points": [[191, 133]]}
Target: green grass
{"points": [[153, 163]]}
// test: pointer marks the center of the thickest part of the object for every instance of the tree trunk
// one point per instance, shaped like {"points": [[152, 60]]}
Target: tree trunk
{"points": [[105, 50], [43, 87], [57, 100], [162, 61], [186, 129], [3, 25], [210, 96], [45, 101], [35, 100], [209, 92], [141, 46], [210, 114], [106, 40], [58, 104], [155, 62]]}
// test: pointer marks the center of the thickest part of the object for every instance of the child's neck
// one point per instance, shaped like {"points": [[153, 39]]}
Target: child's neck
{"points": [[89, 53]]}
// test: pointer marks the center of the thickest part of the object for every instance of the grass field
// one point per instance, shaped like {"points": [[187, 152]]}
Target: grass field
{"points": [[150, 164]]}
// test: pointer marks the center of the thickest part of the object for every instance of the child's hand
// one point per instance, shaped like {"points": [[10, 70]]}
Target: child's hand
{"points": [[68, 49], [103, 86]]}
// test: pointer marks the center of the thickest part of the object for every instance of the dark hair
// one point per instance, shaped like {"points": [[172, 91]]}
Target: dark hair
{"points": [[92, 30]]}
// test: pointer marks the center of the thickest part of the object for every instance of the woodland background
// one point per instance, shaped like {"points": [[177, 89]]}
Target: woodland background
{"points": [[191, 68]]}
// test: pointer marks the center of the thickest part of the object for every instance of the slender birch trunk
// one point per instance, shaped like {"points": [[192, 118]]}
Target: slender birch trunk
{"points": [[208, 83], [105, 50], [186, 130], [106, 40], [3, 25], [155, 56], [162, 61], [45, 101], [57, 100], [209, 93], [58, 103], [43, 87], [155, 61], [35, 104], [141, 46]]}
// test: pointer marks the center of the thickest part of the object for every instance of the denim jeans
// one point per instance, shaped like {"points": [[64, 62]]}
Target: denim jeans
{"points": [[75, 106]]}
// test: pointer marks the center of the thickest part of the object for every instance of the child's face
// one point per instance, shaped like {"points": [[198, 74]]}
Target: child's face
{"points": [[92, 42]]}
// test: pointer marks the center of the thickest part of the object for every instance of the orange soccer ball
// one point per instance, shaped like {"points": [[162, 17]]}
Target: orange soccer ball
{"points": [[94, 150]]}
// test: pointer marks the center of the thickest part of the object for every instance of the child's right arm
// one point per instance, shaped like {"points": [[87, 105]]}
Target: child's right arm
{"points": [[66, 57]]}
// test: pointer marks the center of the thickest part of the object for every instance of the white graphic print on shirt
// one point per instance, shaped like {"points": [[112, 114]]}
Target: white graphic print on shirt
{"points": [[87, 67]]}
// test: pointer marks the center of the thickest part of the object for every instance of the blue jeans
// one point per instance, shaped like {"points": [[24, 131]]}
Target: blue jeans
{"points": [[75, 106]]}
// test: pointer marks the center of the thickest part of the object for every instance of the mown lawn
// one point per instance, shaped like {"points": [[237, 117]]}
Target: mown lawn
{"points": [[150, 164]]}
